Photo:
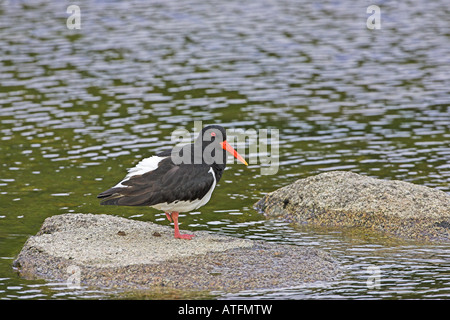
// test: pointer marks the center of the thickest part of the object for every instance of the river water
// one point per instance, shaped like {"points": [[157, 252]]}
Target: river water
{"points": [[79, 106]]}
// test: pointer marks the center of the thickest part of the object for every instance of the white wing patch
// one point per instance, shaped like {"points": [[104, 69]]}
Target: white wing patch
{"points": [[144, 166]]}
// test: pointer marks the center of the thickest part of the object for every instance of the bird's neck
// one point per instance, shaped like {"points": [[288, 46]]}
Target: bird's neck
{"points": [[218, 170]]}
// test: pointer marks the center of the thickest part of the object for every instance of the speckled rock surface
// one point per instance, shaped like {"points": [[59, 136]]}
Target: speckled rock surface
{"points": [[346, 199], [109, 251]]}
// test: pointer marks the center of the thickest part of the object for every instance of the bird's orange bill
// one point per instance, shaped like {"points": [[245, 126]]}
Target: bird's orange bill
{"points": [[230, 149]]}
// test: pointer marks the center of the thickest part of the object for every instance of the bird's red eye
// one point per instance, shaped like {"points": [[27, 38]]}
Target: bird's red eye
{"points": [[213, 134]]}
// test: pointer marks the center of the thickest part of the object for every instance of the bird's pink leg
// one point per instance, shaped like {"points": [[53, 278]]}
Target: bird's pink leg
{"points": [[169, 216], [177, 231]]}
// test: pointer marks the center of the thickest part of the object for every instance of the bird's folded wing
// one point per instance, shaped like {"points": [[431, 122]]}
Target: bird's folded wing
{"points": [[167, 184]]}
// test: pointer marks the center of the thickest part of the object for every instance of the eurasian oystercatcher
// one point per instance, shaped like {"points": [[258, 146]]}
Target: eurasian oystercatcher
{"points": [[178, 180]]}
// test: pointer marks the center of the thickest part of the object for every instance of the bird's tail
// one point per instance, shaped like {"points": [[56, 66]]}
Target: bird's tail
{"points": [[120, 197], [110, 196]]}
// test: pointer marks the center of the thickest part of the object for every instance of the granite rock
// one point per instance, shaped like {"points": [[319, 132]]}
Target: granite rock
{"points": [[110, 251], [346, 199]]}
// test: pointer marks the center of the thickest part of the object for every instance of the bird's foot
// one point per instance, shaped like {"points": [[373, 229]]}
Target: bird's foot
{"points": [[184, 236]]}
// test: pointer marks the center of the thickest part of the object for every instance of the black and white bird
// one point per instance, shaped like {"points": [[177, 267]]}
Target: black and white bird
{"points": [[179, 180]]}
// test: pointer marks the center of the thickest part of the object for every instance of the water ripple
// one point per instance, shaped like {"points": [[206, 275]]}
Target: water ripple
{"points": [[80, 106]]}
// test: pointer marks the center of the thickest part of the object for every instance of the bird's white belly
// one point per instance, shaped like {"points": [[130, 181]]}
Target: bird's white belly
{"points": [[178, 206], [185, 206]]}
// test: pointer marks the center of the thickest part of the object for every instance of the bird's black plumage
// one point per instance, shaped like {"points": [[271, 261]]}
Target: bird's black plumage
{"points": [[171, 181]]}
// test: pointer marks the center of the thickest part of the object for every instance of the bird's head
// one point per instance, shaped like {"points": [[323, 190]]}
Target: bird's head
{"points": [[215, 137]]}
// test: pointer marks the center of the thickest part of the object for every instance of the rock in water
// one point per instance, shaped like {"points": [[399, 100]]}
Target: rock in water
{"points": [[109, 251], [346, 199]]}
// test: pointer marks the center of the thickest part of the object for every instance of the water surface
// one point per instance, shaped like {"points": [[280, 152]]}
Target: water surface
{"points": [[78, 107]]}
